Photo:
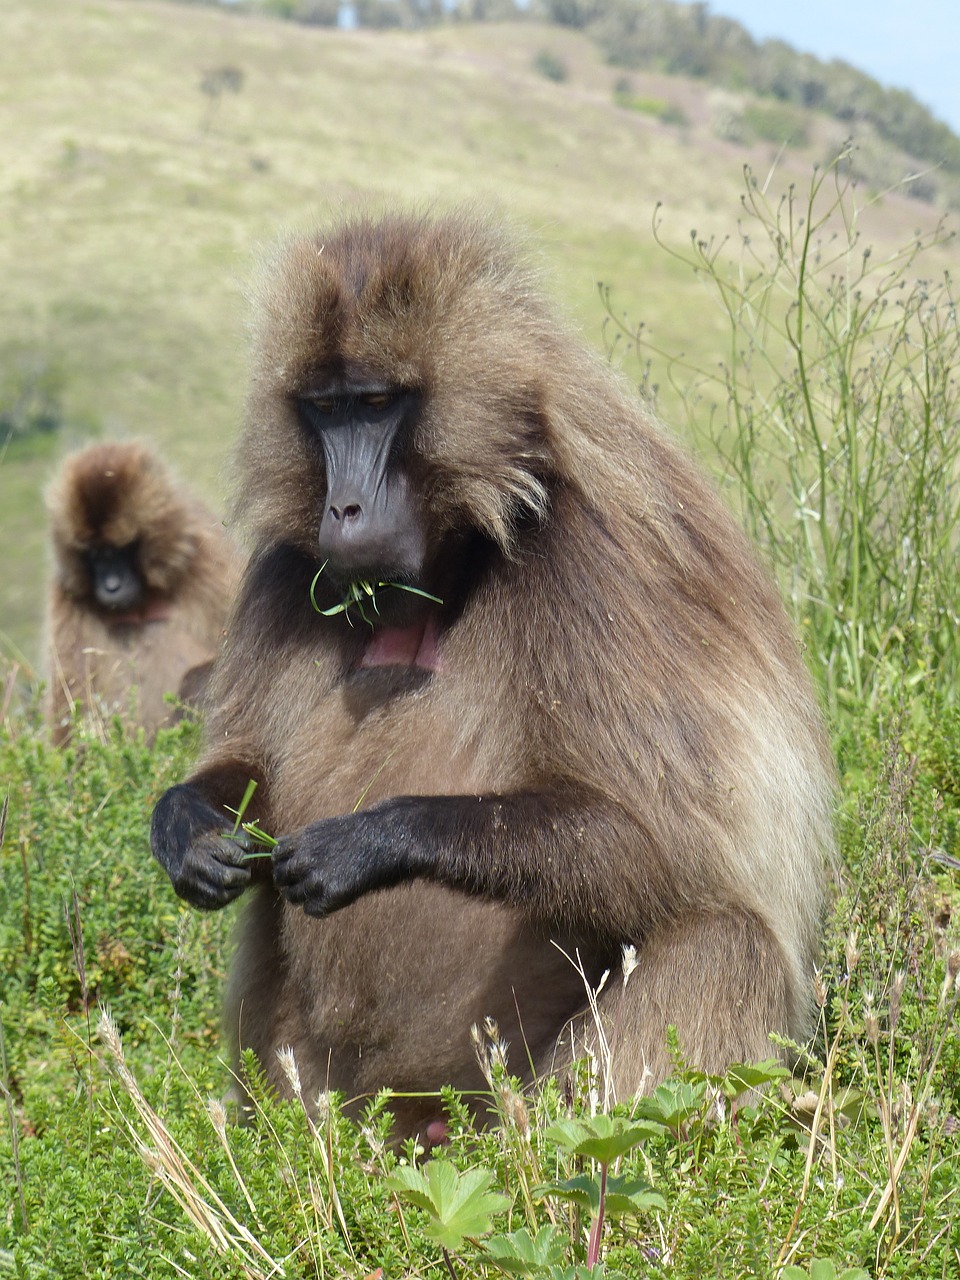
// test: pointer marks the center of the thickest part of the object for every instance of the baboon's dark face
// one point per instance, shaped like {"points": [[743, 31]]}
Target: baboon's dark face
{"points": [[372, 526], [420, 347], [115, 578]]}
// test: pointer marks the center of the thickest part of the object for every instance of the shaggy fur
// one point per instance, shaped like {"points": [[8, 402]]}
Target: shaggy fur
{"points": [[620, 744], [116, 495]]}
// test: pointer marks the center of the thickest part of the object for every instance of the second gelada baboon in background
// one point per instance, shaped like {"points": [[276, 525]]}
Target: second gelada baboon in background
{"points": [[542, 694], [143, 577]]}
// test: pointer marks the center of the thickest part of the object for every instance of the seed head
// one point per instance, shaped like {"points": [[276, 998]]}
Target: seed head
{"points": [[218, 1116], [819, 990], [288, 1065], [873, 1027], [896, 991], [514, 1109], [491, 1028]]}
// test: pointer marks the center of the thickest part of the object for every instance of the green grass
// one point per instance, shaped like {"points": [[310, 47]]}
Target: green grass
{"points": [[115, 1161], [130, 225]]}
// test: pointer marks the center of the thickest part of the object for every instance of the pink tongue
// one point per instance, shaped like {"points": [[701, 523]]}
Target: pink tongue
{"points": [[414, 646]]}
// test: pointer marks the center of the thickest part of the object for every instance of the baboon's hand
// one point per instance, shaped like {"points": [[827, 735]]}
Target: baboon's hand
{"points": [[331, 863], [186, 836]]}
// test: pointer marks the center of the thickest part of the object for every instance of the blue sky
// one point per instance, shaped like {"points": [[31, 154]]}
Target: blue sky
{"points": [[907, 44]]}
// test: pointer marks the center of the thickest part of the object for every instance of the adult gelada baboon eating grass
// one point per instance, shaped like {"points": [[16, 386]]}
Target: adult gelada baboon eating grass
{"points": [[588, 724]]}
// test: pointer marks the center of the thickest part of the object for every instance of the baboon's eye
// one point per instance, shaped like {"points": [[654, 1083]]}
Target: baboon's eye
{"points": [[379, 400], [323, 404]]}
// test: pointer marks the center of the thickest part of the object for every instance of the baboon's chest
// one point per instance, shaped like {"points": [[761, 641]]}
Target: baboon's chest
{"points": [[384, 734]]}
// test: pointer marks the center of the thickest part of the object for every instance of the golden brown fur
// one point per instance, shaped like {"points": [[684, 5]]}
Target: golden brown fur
{"points": [[113, 495], [619, 689]]}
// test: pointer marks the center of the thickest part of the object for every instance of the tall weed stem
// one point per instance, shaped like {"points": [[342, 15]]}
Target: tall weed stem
{"points": [[833, 418]]}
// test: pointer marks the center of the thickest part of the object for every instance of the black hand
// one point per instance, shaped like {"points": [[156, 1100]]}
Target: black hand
{"points": [[331, 863], [206, 868]]}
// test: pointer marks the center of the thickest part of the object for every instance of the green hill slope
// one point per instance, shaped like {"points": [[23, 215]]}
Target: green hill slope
{"points": [[132, 203]]}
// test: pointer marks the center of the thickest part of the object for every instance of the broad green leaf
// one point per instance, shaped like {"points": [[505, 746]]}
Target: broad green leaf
{"points": [[412, 1184], [822, 1269], [519, 1254], [459, 1204], [602, 1137], [850, 1103], [673, 1102], [742, 1076], [630, 1195], [581, 1190], [623, 1195]]}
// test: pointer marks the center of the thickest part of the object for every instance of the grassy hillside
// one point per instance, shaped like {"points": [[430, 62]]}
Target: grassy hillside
{"points": [[131, 219]]}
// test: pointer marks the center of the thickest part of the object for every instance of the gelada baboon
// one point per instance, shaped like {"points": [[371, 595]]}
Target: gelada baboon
{"points": [[142, 582], [598, 733]]}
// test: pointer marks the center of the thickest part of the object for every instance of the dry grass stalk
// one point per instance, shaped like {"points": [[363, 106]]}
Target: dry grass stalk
{"points": [[166, 1160], [324, 1141], [950, 997]]}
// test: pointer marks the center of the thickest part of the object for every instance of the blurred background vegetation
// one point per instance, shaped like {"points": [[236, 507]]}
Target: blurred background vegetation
{"points": [[148, 150]]}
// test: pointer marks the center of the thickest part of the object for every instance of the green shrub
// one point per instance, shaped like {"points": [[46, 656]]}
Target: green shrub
{"points": [[551, 66], [775, 122], [666, 112]]}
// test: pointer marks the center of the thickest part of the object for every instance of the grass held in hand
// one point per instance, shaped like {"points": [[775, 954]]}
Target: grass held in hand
{"points": [[251, 830]]}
